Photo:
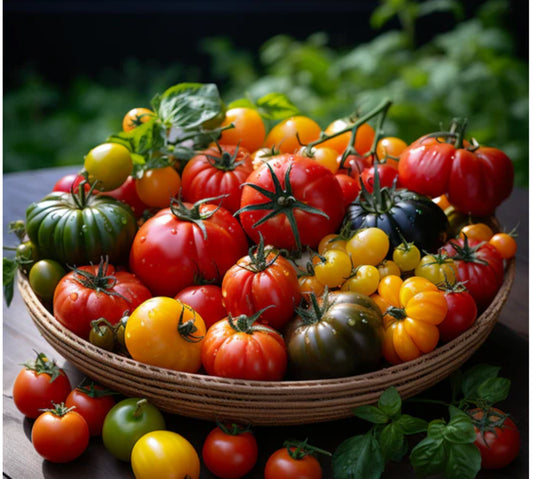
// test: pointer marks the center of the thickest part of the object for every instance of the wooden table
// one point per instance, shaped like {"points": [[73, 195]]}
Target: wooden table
{"points": [[507, 347]]}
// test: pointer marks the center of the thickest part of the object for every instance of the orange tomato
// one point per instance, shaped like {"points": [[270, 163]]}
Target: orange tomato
{"points": [[363, 138], [505, 244], [157, 186], [389, 149], [249, 129], [136, 117], [477, 232], [291, 134]]}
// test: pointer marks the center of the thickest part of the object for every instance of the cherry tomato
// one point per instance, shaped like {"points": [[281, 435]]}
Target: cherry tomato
{"points": [[406, 256], [461, 314], [497, 437], [44, 276], [365, 280], [206, 300], [60, 434], [333, 268], [93, 402], [331, 241], [363, 138], [109, 164], [387, 176], [438, 268], [291, 463], [325, 156], [127, 193], [26, 255], [368, 246], [349, 186], [389, 149], [249, 129], [230, 452], [505, 244], [39, 384], [477, 232], [309, 284], [136, 117], [388, 267], [157, 186], [292, 133], [70, 182]]}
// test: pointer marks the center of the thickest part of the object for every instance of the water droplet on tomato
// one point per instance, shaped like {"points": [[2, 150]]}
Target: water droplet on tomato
{"points": [[142, 239], [73, 296], [173, 231]]}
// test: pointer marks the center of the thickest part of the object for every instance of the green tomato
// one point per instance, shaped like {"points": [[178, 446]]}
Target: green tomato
{"points": [[110, 164], [44, 276], [26, 255], [126, 422]]}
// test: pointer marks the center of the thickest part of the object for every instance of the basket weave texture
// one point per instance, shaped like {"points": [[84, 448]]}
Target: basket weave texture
{"points": [[260, 402]]}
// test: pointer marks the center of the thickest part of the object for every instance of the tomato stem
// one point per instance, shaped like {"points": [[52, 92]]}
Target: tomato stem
{"points": [[41, 365], [188, 328]]}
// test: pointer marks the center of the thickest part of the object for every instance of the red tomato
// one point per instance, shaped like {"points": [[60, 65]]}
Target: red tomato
{"points": [[387, 176], [291, 201], [127, 193], [462, 313], [353, 165], [286, 464], [497, 437], [236, 348], [230, 452], [215, 172], [185, 244], [39, 384], [92, 292], [93, 402], [349, 186], [476, 180], [60, 434], [67, 182], [263, 279], [479, 266], [206, 300]]}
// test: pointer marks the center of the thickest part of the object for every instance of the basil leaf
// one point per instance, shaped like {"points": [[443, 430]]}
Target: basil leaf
{"points": [[428, 456], [476, 376], [460, 430], [436, 429], [276, 106], [242, 103], [8, 277], [464, 461], [390, 402], [411, 425], [494, 390], [371, 414], [392, 442], [358, 456]]}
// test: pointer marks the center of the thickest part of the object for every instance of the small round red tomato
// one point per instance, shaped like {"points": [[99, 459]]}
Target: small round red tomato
{"points": [[206, 300], [497, 437], [136, 117], [461, 314], [217, 172], [237, 348], [93, 402], [363, 138], [39, 384], [248, 128], [387, 176], [292, 133], [60, 434], [292, 462], [230, 452], [127, 193], [68, 182], [349, 186], [157, 186], [505, 244]]}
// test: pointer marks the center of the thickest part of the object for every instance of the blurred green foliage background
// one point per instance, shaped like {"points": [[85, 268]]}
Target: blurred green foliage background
{"points": [[470, 71]]}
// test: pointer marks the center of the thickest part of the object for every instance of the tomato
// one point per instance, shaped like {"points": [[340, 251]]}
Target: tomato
{"points": [[216, 172], [69, 182], [126, 422], [442, 201], [127, 193], [291, 201], [363, 138], [262, 280], [505, 244], [93, 402], [206, 300], [353, 165], [461, 313], [477, 232], [389, 149], [336, 336], [26, 256], [60, 434], [364, 280], [136, 117], [388, 267], [333, 268], [157, 186], [102, 334], [479, 266], [236, 348], [109, 164], [186, 244], [406, 256], [39, 384], [497, 437], [412, 311], [309, 284], [368, 246], [166, 333], [249, 129], [290, 463], [349, 186], [292, 133], [438, 268], [388, 176], [230, 452], [91, 292], [327, 157], [475, 179], [332, 241], [78, 229], [44, 277]]}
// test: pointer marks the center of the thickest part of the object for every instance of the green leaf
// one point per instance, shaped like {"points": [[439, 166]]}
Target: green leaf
{"points": [[432, 6], [358, 457], [475, 376], [494, 390], [429, 456], [8, 277], [390, 402], [276, 106], [392, 442], [460, 430], [436, 428], [371, 414], [464, 461], [411, 425], [242, 103]]}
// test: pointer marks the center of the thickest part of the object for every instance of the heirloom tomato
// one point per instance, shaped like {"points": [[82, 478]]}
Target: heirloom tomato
{"points": [[293, 462], [157, 186], [166, 333], [92, 292], [292, 133], [349, 186], [412, 310], [291, 201], [461, 313], [368, 245], [127, 193], [79, 228], [93, 402], [363, 138], [262, 280], [438, 268], [406, 256], [248, 128], [126, 422], [39, 384], [230, 451], [497, 437], [479, 266], [505, 244], [136, 117], [364, 279], [206, 300], [109, 165], [475, 179], [217, 172], [186, 244], [332, 268], [164, 455], [60, 434], [44, 276], [239, 349], [338, 335]]}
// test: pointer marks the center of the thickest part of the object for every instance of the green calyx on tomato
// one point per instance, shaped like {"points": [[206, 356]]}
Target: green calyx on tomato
{"points": [[299, 449], [102, 334], [101, 281], [225, 161], [234, 429], [260, 257], [187, 329], [59, 410], [93, 390], [41, 365], [467, 252], [247, 324], [489, 422]]}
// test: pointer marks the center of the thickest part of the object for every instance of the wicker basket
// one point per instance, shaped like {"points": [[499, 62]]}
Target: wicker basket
{"points": [[261, 402]]}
